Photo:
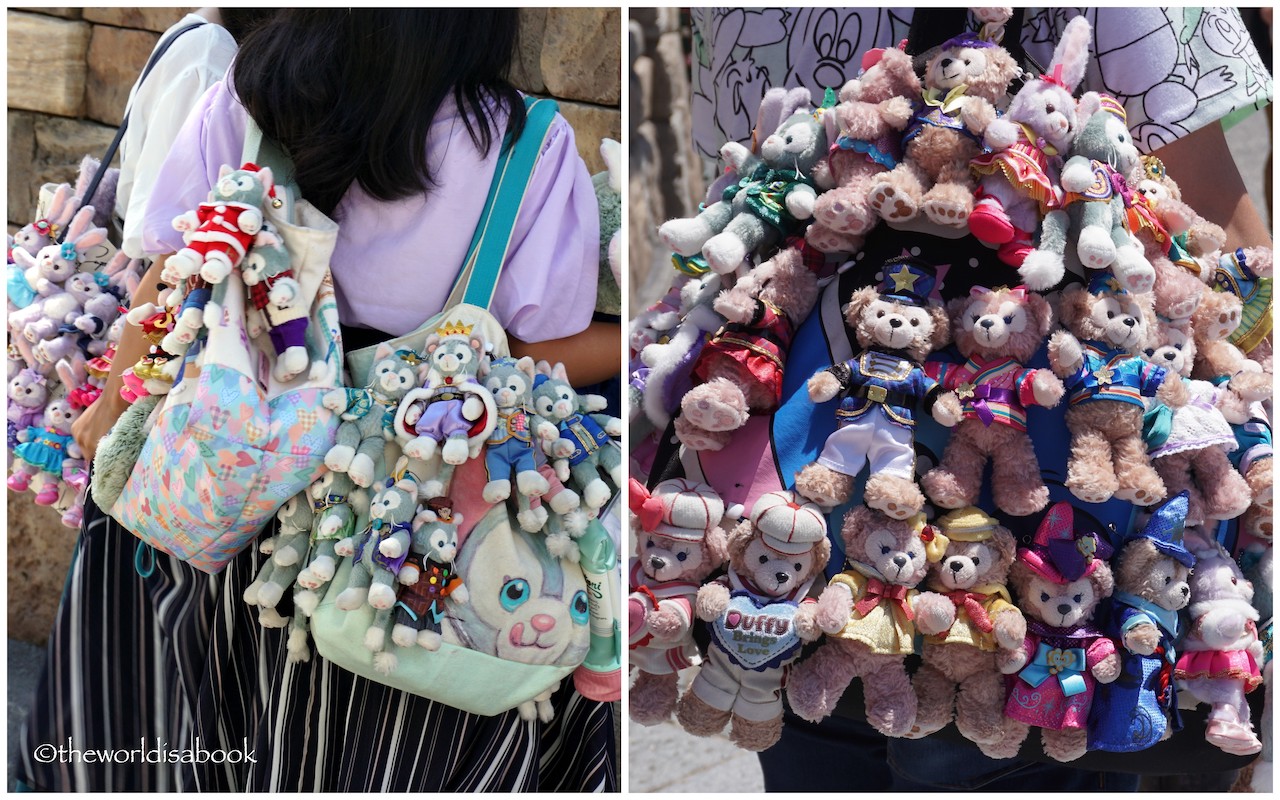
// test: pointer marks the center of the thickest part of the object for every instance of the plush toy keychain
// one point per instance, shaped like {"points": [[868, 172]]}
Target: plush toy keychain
{"points": [[368, 414], [679, 542], [219, 232], [590, 435], [510, 448], [754, 619], [1140, 707], [1059, 581], [428, 577], [898, 326]]}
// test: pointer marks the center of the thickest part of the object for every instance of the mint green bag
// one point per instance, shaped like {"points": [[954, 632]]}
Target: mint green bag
{"points": [[525, 625]]}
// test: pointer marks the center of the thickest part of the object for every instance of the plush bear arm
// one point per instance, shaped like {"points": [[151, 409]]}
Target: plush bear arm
{"points": [[1000, 134], [1233, 407], [800, 201], [1204, 237], [934, 613], [835, 604], [250, 221], [806, 621], [823, 386], [737, 305], [1173, 392], [1251, 385], [1103, 660], [713, 599], [1010, 660], [896, 112], [1142, 639], [1010, 629], [737, 156], [977, 114], [1221, 627], [1065, 355], [1046, 388], [671, 619], [947, 409], [186, 222]]}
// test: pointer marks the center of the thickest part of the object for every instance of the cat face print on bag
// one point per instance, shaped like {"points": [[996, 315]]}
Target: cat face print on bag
{"points": [[523, 605]]}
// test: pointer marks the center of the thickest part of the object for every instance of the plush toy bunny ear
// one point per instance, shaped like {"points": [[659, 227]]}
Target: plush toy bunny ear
{"points": [[1090, 104], [1071, 56]]}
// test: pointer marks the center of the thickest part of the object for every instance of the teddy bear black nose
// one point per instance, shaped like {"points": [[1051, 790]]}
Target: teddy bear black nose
{"points": [[1186, 590], [1064, 609], [781, 577], [900, 560], [657, 563], [987, 322], [1130, 321], [895, 323], [956, 566], [944, 63], [1170, 356]]}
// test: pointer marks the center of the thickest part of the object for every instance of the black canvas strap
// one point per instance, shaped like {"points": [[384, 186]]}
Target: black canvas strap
{"points": [[124, 124]]}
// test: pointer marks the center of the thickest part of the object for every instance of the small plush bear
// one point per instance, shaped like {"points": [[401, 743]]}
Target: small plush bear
{"points": [[959, 676], [1216, 319], [865, 131], [679, 542], [1018, 181], [1246, 273], [368, 413], [870, 614], [897, 325], [1221, 654], [1093, 215], [1190, 446], [1104, 325], [219, 232], [510, 448], [1151, 572], [774, 193], [755, 619], [1059, 582], [428, 578], [962, 84], [997, 331], [739, 371], [588, 437], [277, 304]]}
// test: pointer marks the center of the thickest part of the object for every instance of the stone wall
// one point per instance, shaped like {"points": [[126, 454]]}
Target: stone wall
{"points": [[69, 75], [665, 178]]}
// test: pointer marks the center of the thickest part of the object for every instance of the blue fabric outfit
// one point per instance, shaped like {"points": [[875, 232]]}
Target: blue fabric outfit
{"points": [[585, 433], [510, 446], [879, 380], [1129, 714], [1112, 374]]}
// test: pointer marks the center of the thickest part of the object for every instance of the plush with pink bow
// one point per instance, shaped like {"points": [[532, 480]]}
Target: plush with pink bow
{"points": [[1059, 582], [997, 331], [679, 542], [870, 614]]}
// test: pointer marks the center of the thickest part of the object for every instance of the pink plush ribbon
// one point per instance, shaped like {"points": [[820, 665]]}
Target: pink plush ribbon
{"points": [[644, 505], [972, 605], [1018, 293], [878, 590], [1056, 77]]}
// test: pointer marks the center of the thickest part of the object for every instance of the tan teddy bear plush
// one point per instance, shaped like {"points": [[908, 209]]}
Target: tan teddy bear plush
{"points": [[755, 621], [997, 331], [897, 325], [870, 613], [679, 543], [1106, 384], [959, 676], [962, 84]]}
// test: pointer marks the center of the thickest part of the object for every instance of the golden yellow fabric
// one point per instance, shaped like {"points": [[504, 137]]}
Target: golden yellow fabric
{"points": [[885, 629]]}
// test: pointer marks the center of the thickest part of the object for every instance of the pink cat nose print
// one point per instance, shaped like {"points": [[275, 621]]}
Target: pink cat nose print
{"points": [[542, 623]]}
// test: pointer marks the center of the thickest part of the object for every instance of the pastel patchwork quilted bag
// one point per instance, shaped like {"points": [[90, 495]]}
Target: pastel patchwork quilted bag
{"points": [[231, 443]]}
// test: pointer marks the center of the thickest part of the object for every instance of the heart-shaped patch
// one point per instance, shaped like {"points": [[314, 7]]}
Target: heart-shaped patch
{"points": [[757, 633]]}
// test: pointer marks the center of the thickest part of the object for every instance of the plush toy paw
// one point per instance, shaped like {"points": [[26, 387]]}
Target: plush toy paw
{"points": [[216, 267], [421, 447], [385, 663], [250, 594], [1133, 271], [1011, 661], [361, 470], [391, 548], [948, 205], [496, 491], [404, 636], [539, 708], [596, 494], [270, 618], [716, 406], [351, 599], [712, 600], [948, 410], [1108, 669], [323, 567], [291, 363], [800, 202], [564, 502], [455, 451], [834, 606], [823, 387], [530, 483], [724, 252], [1041, 270], [1142, 639], [1046, 388], [934, 613], [684, 236], [338, 459], [532, 519], [892, 204], [375, 639], [298, 647], [270, 594], [429, 640], [898, 498], [381, 596], [696, 438], [306, 601], [183, 264], [824, 486], [1095, 248]]}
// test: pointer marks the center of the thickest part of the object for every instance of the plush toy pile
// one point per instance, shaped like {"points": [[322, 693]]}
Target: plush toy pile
{"points": [[1010, 466], [66, 289]]}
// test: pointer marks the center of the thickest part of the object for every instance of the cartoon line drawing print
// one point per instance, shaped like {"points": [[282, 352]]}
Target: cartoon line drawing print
{"points": [[733, 89]]}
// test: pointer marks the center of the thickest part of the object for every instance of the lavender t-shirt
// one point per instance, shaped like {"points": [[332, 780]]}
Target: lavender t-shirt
{"points": [[395, 262]]}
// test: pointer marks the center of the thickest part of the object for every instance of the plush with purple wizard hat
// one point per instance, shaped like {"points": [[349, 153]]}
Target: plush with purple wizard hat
{"points": [[908, 280], [1060, 553], [1165, 528], [967, 39]]}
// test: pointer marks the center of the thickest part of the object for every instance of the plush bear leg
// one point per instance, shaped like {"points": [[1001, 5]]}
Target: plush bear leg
{"points": [[1175, 471], [1139, 483], [897, 497], [949, 203], [1065, 745], [895, 195], [1177, 292], [816, 683], [935, 694], [718, 405], [1013, 734], [1226, 494], [698, 718], [653, 698], [979, 708], [755, 736], [957, 480], [1016, 485], [1090, 475], [891, 702], [823, 485], [696, 438], [741, 237]]}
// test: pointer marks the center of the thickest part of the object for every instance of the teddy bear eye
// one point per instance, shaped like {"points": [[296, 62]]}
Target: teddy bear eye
{"points": [[682, 556], [1078, 598], [1177, 346], [649, 545], [799, 567], [764, 559], [790, 139], [1149, 351], [1008, 320], [1168, 580], [1049, 109], [976, 561], [1111, 315], [1044, 597], [884, 551], [915, 323], [879, 314], [976, 317]]}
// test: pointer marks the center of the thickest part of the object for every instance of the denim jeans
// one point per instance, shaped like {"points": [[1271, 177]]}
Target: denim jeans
{"points": [[842, 754]]}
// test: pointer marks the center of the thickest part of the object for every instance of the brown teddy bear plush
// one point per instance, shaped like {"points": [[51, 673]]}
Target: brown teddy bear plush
{"points": [[1189, 448], [755, 620], [997, 331], [679, 542], [870, 613], [1151, 573], [1107, 384], [740, 368], [1059, 582], [866, 136], [962, 84], [959, 672], [897, 325]]}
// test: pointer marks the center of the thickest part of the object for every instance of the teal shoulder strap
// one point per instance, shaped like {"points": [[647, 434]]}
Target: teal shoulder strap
{"points": [[478, 279]]}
